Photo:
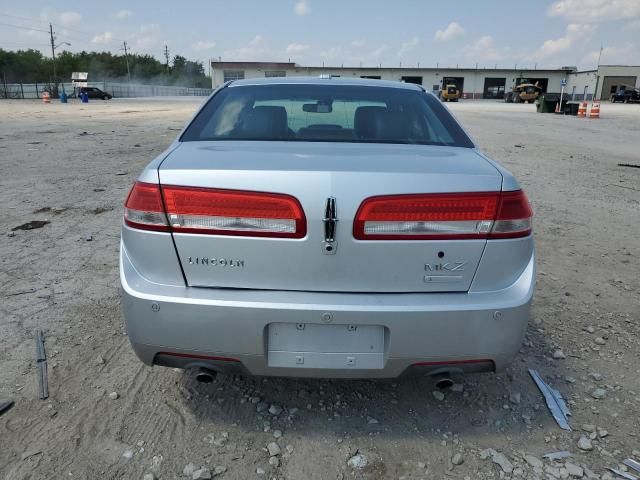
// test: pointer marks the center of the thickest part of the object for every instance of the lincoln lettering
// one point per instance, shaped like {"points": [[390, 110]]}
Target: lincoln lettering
{"points": [[215, 262]]}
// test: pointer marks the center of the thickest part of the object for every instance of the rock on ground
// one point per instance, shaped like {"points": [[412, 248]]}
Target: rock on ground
{"points": [[533, 461], [438, 395], [574, 470], [274, 449], [498, 458], [189, 469], [358, 461], [201, 474], [585, 443]]}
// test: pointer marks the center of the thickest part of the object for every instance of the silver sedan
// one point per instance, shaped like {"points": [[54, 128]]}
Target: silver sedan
{"points": [[323, 227]]}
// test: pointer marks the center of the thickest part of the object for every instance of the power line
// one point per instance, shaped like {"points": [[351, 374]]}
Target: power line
{"points": [[23, 28], [83, 32], [22, 45], [23, 18]]}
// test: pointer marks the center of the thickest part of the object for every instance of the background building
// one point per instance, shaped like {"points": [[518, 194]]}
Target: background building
{"points": [[474, 83], [604, 81]]}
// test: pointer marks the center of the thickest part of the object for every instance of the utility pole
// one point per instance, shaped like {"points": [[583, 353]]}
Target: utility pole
{"points": [[595, 91], [166, 57], [126, 57], [53, 55]]}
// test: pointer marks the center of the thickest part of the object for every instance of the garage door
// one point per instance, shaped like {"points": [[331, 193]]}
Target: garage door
{"points": [[611, 84], [494, 88]]}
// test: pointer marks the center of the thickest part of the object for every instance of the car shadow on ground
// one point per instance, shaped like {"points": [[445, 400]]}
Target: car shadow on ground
{"points": [[506, 402]]}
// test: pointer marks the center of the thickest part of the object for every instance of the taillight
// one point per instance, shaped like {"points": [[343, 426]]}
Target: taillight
{"points": [[444, 216], [514, 216], [233, 212], [143, 208]]}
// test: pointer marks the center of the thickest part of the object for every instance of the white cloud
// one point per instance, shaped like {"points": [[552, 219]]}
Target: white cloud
{"points": [[590, 11], [69, 19], [635, 25], [122, 14], [453, 30], [575, 33], [202, 45], [147, 37], [294, 48], [102, 38], [340, 55], [358, 43], [612, 55], [378, 52], [486, 50], [302, 8], [256, 50], [408, 46]]}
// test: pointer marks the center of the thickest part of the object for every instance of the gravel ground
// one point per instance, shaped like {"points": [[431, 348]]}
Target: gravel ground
{"points": [[110, 417]]}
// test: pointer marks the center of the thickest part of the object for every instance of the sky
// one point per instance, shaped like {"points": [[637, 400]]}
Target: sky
{"points": [[340, 32]]}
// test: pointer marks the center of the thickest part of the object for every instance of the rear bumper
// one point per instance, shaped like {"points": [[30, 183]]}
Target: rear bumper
{"points": [[228, 328]]}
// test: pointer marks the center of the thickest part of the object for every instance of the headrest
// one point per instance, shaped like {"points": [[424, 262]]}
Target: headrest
{"points": [[265, 122], [379, 123]]}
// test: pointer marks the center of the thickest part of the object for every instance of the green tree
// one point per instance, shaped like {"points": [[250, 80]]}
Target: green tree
{"points": [[29, 66]]}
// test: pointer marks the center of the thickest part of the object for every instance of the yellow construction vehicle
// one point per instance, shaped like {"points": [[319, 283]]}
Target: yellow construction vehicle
{"points": [[524, 92], [450, 93]]}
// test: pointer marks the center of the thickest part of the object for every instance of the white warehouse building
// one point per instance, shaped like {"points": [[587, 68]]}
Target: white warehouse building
{"points": [[475, 83]]}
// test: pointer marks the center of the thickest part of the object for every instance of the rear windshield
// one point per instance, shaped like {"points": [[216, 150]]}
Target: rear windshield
{"points": [[326, 113]]}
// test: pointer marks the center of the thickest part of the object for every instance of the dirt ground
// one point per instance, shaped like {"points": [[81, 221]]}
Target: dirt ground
{"points": [[72, 165]]}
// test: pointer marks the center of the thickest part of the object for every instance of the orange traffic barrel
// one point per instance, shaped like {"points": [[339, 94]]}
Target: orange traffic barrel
{"points": [[46, 98], [582, 110], [595, 110]]}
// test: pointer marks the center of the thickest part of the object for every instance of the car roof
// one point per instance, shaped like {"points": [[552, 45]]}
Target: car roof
{"points": [[325, 80]]}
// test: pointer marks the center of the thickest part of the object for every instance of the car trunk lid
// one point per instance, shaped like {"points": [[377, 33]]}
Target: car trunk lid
{"points": [[328, 179]]}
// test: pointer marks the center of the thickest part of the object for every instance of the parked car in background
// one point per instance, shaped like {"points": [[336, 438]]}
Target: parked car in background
{"points": [[94, 92], [626, 95], [326, 228]]}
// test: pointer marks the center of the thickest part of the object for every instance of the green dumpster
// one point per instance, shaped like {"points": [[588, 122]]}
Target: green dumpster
{"points": [[547, 103]]}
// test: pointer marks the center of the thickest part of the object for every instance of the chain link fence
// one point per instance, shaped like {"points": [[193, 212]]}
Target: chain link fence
{"points": [[117, 89]]}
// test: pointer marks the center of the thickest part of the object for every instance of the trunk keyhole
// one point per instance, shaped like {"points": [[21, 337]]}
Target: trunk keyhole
{"points": [[440, 254]]}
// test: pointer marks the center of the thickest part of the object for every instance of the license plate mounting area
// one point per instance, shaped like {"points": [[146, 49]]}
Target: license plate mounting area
{"points": [[311, 345]]}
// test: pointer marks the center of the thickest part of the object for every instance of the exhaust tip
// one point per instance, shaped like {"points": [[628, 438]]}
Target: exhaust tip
{"points": [[444, 383], [205, 376]]}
